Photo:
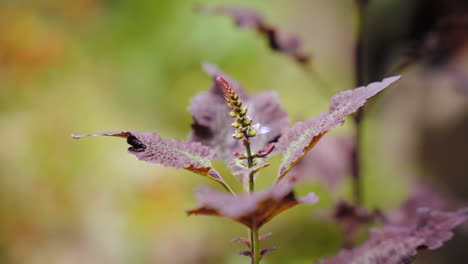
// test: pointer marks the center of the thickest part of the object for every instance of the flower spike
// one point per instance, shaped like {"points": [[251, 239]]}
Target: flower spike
{"points": [[242, 123]]}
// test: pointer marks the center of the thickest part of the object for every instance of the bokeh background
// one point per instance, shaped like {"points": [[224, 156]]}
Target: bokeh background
{"points": [[79, 66]]}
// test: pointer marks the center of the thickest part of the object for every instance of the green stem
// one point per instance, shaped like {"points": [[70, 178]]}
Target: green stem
{"points": [[359, 65], [255, 246], [250, 165], [254, 242]]}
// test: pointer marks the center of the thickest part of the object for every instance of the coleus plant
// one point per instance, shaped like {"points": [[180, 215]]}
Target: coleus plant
{"points": [[245, 130]]}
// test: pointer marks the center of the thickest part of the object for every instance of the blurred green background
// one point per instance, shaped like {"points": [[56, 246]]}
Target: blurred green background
{"points": [[81, 66]]}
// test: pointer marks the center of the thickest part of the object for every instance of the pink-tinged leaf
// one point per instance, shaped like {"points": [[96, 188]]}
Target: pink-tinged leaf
{"points": [[329, 162], [266, 150], [212, 124], [266, 235], [277, 40], [303, 136], [400, 244], [247, 241], [149, 147], [252, 210], [242, 240]]}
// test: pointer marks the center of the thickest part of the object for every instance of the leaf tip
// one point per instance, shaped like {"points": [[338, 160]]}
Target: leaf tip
{"points": [[392, 79]]}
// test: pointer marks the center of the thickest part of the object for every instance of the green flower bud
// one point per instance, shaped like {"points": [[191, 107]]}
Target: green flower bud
{"points": [[251, 133], [243, 111], [238, 135], [236, 124]]}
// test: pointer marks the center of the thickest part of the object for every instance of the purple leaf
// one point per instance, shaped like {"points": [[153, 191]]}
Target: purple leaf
{"points": [[330, 162], [149, 147], [212, 124], [351, 214], [400, 244], [303, 136], [242, 240], [266, 150], [252, 210], [246, 253], [351, 218], [247, 18], [265, 236], [265, 251], [423, 194], [247, 241]]}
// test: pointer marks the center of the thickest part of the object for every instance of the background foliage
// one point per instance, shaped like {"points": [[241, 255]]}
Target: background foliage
{"points": [[92, 65]]}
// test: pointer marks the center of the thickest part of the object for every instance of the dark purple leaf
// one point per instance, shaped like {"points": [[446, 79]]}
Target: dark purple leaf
{"points": [[246, 253], [400, 244], [265, 251], [247, 18], [252, 210], [149, 147], [212, 124], [352, 218], [303, 136], [329, 162]]}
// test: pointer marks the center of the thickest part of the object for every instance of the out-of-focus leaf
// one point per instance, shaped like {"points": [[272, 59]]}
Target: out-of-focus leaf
{"points": [[252, 210], [277, 40], [400, 244], [352, 218], [423, 194], [303, 136], [212, 124], [329, 162], [149, 147]]}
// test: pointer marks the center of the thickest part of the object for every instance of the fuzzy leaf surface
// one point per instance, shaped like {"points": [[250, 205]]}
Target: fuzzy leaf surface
{"points": [[400, 244], [252, 210], [151, 148], [212, 123], [303, 136]]}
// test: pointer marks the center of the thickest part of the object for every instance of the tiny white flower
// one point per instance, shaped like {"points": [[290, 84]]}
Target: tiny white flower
{"points": [[261, 129]]}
